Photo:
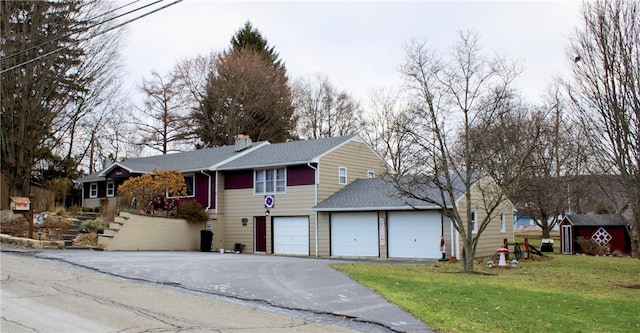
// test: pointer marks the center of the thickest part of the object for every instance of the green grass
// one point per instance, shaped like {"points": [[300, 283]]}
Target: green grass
{"points": [[557, 294]]}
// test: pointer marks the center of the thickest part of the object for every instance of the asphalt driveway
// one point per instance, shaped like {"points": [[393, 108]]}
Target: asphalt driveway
{"points": [[307, 284]]}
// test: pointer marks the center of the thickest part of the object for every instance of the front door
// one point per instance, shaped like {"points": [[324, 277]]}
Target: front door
{"points": [[261, 233]]}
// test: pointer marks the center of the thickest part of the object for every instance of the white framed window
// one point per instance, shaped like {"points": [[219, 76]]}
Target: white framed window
{"points": [[111, 189], [342, 175], [270, 181], [371, 174], [93, 190], [474, 221], [502, 223]]}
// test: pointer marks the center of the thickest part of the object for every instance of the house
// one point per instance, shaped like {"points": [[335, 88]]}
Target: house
{"points": [[259, 195], [300, 198], [608, 230], [371, 218]]}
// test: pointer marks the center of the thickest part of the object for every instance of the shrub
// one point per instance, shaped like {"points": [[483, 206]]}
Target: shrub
{"points": [[93, 227], [89, 239], [192, 211], [591, 247]]}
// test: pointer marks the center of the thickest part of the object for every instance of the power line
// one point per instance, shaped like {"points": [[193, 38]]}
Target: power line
{"points": [[87, 38], [81, 30]]}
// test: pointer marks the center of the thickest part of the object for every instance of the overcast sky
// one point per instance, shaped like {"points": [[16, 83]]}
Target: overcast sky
{"points": [[358, 45]]}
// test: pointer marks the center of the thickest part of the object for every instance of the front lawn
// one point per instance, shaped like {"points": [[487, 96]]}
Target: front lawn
{"points": [[558, 293]]}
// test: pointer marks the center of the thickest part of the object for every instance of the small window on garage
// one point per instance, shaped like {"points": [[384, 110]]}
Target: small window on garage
{"points": [[93, 190], [342, 175], [502, 223], [111, 189], [474, 221], [371, 174]]}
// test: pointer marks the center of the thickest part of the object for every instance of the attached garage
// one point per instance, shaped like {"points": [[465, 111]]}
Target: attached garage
{"points": [[291, 235], [414, 234], [354, 234]]}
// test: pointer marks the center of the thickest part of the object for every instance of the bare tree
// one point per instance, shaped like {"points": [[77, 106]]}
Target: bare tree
{"points": [[163, 122], [449, 97], [322, 110], [605, 92], [388, 130]]}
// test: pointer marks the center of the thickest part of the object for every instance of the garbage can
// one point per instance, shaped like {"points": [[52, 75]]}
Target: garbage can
{"points": [[206, 237]]}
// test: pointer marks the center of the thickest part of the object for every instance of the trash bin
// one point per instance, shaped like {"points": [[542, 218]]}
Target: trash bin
{"points": [[206, 237], [237, 248]]}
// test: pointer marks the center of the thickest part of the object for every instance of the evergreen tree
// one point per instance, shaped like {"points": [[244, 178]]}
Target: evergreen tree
{"points": [[40, 55], [248, 38], [247, 93]]}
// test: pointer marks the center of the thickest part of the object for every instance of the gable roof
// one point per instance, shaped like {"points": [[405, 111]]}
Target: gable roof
{"points": [[380, 194], [289, 153], [260, 154], [189, 161], [595, 220]]}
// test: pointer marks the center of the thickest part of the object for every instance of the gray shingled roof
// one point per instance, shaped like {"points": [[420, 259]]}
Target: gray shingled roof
{"points": [[382, 194], [201, 159], [262, 155], [596, 220], [288, 153]]}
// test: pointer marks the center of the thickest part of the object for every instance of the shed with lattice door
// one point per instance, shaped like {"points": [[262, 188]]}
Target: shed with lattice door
{"points": [[606, 230]]}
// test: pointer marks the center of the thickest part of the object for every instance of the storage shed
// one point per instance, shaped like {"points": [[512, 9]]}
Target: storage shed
{"points": [[605, 229]]}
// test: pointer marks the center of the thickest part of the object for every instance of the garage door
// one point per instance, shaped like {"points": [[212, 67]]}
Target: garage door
{"points": [[354, 234], [414, 234], [291, 235]]}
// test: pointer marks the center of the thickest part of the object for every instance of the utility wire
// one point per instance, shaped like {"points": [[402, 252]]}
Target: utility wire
{"points": [[95, 35], [81, 30], [44, 40]]}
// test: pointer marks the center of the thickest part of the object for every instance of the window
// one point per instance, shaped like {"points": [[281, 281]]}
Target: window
{"points": [[93, 190], [342, 175], [270, 181], [502, 223], [371, 174], [111, 189], [474, 221], [190, 181]]}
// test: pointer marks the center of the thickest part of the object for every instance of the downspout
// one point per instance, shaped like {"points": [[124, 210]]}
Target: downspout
{"points": [[208, 189], [315, 184], [216, 195]]}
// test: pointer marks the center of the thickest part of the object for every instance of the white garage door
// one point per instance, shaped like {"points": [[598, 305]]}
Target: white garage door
{"points": [[414, 234], [291, 235], [354, 234]]}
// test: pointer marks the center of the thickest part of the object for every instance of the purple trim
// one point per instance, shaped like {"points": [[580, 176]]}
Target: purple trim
{"points": [[235, 180], [300, 175]]}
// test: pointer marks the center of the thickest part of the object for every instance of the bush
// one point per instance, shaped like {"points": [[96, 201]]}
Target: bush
{"points": [[88, 239], [591, 247], [93, 226], [192, 211]]}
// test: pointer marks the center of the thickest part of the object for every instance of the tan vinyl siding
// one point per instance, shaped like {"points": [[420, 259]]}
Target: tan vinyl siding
{"points": [[324, 244], [492, 238], [356, 157], [242, 203]]}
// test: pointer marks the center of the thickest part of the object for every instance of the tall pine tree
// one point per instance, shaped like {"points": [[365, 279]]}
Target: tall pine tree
{"points": [[247, 93]]}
